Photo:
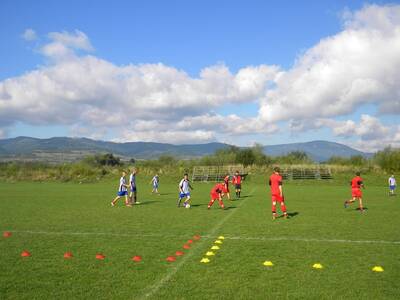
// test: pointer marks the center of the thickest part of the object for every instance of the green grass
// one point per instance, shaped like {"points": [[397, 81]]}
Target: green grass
{"points": [[49, 219]]}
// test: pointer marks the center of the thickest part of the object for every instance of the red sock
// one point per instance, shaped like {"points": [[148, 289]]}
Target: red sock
{"points": [[221, 203], [211, 203], [273, 208], [283, 207]]}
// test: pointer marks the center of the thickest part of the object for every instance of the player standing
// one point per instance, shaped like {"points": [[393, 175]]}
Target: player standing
{"points": [[133, 188], [216, 194], [155, 182], [237, 181], [392, 185], [356, 193], [184, 190], [226, 184], [275, 183], [122, 191]]}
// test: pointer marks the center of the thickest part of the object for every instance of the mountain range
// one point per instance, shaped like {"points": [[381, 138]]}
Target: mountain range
{"points": [[75, 148]]}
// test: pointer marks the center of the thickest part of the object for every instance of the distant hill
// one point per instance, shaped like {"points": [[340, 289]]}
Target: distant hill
{"points": [[317, 150], [66, 149]]}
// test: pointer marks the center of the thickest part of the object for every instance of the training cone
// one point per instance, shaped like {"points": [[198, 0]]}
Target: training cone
{"points": [[100, 256], [317, 266], [205, 260], [171, 258], [68, 255], [190, 241], [221, 237], [7, 234], [218, 242], [179, 253], [268, 263], [186, 246], [210, 253], [377, 269], [137, 258], [214, 248], [196, 237], [25, 253]]}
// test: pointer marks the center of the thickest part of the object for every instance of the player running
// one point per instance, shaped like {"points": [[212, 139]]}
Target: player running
{"points": [[133, 188], [155, 182], [392, 185], [184, 190], [122, 191], [216, 194], [356, 193], [237, 181], [226, 184], [275, 183]]}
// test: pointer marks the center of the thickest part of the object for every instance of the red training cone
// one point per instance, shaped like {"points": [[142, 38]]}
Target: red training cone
{"points": [[137, 258], [196, 237], [171, 258], [68, 255], [186, 246], [100, 256], [179, 253], [7, 234], [25, 253], [190, 241]]}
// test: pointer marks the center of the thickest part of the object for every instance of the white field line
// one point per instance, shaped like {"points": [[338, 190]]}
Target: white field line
{"points": [[156, 287]]}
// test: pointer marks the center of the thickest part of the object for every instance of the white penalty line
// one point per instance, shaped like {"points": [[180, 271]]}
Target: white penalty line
{"points": [[156, 287]]}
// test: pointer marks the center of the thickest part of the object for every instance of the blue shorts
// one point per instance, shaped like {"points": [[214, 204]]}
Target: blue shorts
{"points": [[133, 189], [392, 187], [123, 193], [155, 185], [183, 195]]}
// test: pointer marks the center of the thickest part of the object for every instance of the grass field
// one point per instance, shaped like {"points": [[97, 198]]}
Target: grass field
{"points": [[49, 219]]}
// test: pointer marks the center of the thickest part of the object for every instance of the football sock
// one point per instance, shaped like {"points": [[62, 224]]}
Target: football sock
{"points": [[179, 202], [283, 207], [221, 203], [273, 209], [211, 203]]}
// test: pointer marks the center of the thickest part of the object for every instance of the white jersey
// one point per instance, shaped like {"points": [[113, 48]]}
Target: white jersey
{"points": [[184, 185], [132, 180], [392, 181], [122, 183], [155, 180]]}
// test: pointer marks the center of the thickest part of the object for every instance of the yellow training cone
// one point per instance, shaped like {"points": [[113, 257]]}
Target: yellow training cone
{"points": [[205, 260], [214, 248], [218, 242], [377, 269], [221, 237], [268, 263], [317, 266], [210, 253]]}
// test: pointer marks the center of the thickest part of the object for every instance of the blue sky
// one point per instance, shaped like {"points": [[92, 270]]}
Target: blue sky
{"points": [[188, 37]]}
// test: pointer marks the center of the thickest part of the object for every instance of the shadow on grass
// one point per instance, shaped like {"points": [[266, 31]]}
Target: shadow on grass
{"points": [[365, 208], [293, 214], [230, 207], [147, 202], [196, 205]]}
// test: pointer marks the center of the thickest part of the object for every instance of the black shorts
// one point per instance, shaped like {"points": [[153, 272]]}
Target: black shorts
{"points": [[238, 186]]}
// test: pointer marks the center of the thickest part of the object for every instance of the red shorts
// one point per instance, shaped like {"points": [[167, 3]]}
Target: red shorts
{"points": [[214, 196], [278, 198], [356, 192]]}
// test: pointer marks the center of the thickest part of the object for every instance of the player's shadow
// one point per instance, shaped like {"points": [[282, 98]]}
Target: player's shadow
{"points": [[164, 194], [148, 202], [293, 214], [357, 208], [196, 205], [246, 196], [230, 207]]}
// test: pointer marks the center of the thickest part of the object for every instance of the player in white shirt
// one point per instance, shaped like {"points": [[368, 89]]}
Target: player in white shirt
{"points": [[122, 191], [392, 185], [155, 182], [133, 188], [184, 190]]}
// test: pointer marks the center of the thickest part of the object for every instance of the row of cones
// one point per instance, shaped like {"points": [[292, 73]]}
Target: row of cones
{"points": [[208, 254], [186, 246], [319, 266]]}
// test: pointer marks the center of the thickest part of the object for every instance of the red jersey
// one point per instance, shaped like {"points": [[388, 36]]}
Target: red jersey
{"points": [[356, 182], [226, 180], [218, 189], [275, 181], [237, 179]]}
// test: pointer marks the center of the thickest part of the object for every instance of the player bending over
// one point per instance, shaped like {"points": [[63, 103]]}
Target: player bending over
{"points": [[275, 183], [392, 185], [356, 193], [133, 188], [155, 182], [216, 194], [237, 181], [122, 191], [184, 190]]}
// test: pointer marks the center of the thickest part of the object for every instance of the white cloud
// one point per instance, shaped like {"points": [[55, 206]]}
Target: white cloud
{"points": [[29, 35]]}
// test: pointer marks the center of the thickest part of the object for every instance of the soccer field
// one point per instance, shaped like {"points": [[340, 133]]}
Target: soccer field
{"points": [[49, 219]]}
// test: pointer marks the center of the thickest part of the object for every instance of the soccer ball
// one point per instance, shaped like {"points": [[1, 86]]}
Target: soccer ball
{"points": [[187, 205]]}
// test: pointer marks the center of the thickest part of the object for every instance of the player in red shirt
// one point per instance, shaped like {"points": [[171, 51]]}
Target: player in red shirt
{"points": [[356, 193], [237, 181], [216, 194], [275, 182], [226, 184]]}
